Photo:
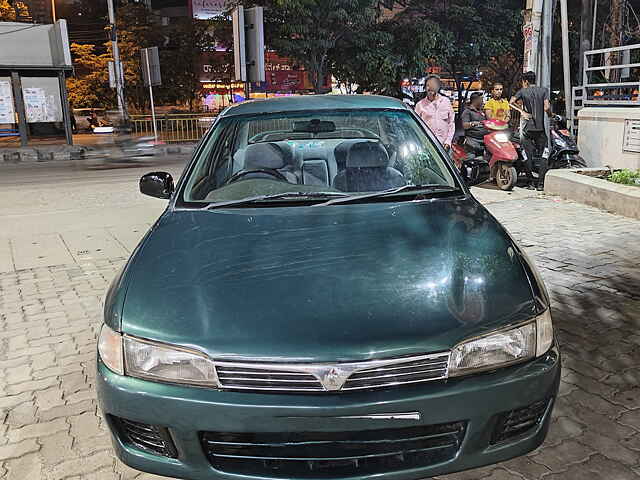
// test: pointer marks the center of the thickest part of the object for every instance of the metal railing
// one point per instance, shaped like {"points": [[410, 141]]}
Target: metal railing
{"points": [[173, 128], [616, 85], [608, 79]]}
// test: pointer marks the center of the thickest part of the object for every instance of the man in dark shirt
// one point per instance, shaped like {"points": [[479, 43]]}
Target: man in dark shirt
{"points": [[472, 122], [535, 102]]}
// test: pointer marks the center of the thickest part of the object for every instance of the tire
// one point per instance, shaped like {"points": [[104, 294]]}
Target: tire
{"points": [[576, 161], [506, 177]]}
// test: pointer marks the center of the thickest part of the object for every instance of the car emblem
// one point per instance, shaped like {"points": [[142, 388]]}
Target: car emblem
{"points": [[333, 378]]}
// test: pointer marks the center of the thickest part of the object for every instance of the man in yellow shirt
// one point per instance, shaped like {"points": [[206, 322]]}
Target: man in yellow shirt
{"points": [[497, 108]]}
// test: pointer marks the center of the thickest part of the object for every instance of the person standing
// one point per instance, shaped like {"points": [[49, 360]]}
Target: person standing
{"points": [[497, 108], [535, 103], [436, 111]]}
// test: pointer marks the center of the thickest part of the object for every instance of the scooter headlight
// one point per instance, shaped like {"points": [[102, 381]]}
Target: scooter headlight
{"points": [[559, 142], [501, 137]]}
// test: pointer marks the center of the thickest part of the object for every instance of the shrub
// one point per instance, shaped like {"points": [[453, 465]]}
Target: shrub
{"points": [[626, 177]]}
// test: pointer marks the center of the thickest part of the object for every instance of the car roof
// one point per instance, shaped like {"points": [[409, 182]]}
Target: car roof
{"points": [[314, 102]]}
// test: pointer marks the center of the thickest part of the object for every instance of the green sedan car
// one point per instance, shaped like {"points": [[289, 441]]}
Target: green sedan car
{"points": [[323, 297]]}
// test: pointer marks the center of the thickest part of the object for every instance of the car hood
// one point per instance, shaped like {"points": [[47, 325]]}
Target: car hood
{"points": [[328, 283]]}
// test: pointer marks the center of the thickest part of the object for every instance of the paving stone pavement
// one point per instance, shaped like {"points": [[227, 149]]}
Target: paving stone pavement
{"points": [[49, 317]]}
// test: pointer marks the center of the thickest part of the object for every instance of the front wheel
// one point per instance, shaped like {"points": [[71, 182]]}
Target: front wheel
{"points": [[576, 161], [506, 176]]}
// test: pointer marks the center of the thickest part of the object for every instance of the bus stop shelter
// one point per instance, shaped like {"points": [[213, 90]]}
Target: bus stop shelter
{"points": [[35, 61]]}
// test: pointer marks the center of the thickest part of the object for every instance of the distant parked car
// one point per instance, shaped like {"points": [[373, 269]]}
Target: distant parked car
{"points": [[324, 298]]}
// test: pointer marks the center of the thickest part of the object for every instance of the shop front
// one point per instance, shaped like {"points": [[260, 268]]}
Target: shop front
{"points": [[34, 63], [283, 78]]}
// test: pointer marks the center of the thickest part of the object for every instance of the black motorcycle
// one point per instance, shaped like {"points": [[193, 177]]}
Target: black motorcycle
{"points": [[564, 151]]}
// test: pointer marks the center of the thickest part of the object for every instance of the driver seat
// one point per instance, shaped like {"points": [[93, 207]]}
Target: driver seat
{"points": [[271, 156]]}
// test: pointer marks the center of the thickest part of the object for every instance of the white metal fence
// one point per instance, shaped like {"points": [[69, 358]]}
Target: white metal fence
{"points": [[173, 128], [610, 77]]}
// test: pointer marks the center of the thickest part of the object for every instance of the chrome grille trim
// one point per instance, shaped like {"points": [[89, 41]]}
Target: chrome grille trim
{"points": [[326, 377]]}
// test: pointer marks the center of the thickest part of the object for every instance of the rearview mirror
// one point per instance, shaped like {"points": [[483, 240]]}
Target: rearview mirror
{"points": [[157, 184]]}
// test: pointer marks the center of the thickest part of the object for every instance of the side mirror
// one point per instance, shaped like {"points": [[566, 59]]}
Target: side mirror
{"points": [[157, 184], [475, 172]]}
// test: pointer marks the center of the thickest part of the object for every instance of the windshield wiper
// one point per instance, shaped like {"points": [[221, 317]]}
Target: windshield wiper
{"points": [[276, 196], [404, 189]]}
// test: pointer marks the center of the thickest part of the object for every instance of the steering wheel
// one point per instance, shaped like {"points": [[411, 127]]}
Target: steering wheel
{"points": [[269, 171]]}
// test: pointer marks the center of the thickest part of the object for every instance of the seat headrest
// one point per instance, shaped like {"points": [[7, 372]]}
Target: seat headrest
{"points": [[367, 155], [266, 155], [341, 151]]}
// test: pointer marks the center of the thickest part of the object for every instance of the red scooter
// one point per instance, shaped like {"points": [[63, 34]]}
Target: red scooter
{"points": [[499, 152]]}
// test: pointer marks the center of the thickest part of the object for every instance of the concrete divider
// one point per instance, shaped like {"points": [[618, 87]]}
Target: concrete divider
{"points": [[583, 186], [61, 153]]}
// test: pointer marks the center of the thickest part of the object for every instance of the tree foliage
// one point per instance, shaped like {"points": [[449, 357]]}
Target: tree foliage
{"points": [[472, 33], [12, 12], [378, 58], [89, 88], [310, 30]]}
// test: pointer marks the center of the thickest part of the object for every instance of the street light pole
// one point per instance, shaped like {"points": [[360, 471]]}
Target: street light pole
{"points": [[116, 61], [565, 61], [53, 10]]}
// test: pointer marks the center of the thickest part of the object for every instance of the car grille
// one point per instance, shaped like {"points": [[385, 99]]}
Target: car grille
{"points": [[346, 375], [332, 454], [411, 371], [245, 377], [150, 438], [516, 422]]}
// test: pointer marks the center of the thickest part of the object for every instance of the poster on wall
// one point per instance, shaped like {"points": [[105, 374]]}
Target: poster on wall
{"points": [[7, 114], [527, 32], [206, 9], [40, 107]]}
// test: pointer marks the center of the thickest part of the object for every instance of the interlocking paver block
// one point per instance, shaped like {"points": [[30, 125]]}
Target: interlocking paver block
{"points": [[83, 465], [15, 450], [589, 259], [38, 430]]}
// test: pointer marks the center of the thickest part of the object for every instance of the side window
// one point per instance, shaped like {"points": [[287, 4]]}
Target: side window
{"points": [[223, 155], [416, 156], [202, 180]]}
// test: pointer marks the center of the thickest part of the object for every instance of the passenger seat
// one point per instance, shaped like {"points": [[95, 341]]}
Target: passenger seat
{"points": [[367, 169]]}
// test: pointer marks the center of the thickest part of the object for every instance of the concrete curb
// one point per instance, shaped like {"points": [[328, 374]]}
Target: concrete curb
{"points": [[582, 186], [57, 153]]}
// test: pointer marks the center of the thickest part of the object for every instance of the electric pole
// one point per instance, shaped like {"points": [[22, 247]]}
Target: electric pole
{"points": [[544, 59], [122, 107], [566, 69], [586, 29]]}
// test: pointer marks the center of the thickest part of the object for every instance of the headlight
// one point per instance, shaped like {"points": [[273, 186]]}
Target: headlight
{"points": [[560, 142], [154, 361], [110, 349], [501, 137], [503, 348], [164, 363]]}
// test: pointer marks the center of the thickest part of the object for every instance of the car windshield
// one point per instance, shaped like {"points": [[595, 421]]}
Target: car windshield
{"points": [[316, 154]]}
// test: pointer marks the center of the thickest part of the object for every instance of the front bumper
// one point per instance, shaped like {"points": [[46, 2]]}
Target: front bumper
{"points": [[186, 411]]}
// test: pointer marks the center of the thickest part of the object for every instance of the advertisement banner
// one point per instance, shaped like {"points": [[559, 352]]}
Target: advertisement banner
{"points": [[285, 80], [206, 9], [527, 31], [7, 114]]}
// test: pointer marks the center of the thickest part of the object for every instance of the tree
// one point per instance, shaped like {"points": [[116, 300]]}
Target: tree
{"points": [[13, 12], [90, 86], [309, 30], [188, 40], [135, 31], [507, 68], [473, 32], [378, 58]]}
